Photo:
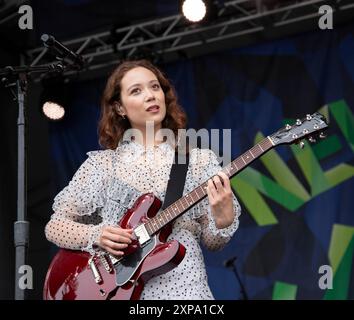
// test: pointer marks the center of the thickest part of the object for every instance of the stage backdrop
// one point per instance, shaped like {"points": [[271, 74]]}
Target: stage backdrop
{"points": [[296, 204]]}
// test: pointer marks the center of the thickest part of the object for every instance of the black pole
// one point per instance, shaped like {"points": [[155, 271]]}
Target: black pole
{"points": [[230, 263], [21, 226]]}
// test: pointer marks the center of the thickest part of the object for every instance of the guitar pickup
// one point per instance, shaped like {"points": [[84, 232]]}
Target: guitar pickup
{"points": [[95, 272], [142, 234]]}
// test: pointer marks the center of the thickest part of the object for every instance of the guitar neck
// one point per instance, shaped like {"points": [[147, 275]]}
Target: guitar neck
{"points": [[192, 198]]}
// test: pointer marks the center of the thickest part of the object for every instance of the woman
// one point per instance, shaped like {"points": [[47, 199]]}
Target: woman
{"points": [[86, 212]]}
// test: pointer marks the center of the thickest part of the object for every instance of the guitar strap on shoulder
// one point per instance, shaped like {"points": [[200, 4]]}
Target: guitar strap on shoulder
{"points": [[176, 182]]}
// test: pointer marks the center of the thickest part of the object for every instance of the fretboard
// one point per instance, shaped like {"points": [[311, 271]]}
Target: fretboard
{"points": [[189, 200]]}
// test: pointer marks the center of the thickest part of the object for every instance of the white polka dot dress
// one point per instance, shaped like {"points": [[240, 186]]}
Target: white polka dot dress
{"points": [[110, 181]]}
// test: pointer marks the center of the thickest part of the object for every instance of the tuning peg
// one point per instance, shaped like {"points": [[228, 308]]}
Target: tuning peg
{"points": [[302, 144], [298, 122], [312, 139], [308, 117], [322, 135], [288, 126]]}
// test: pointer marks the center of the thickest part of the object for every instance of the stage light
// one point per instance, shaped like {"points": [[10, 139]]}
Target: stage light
{"points": [[55, 98], [194, 10], [53, 110]]}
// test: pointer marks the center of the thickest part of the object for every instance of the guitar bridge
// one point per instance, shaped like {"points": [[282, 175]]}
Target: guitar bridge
{"points": [[142, 234], [105, 262]]}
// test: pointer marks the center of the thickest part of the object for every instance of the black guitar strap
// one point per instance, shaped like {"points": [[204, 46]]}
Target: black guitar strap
{"points": [[177, 180]]}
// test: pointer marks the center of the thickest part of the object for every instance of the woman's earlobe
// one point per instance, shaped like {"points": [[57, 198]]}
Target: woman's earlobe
{"points": [[119, 109]]}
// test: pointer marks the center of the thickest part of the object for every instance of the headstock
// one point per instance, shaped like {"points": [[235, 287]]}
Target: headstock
{"points": [[310, 128]]}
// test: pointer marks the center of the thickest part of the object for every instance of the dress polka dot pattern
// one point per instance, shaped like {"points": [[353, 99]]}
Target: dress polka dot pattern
{"points": [[110, 181]]}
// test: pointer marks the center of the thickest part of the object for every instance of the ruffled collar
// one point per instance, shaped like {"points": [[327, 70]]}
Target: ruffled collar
{"points": [[134, 149]]}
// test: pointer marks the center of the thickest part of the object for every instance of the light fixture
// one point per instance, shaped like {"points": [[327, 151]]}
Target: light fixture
{"points": [[194, 10], [54, 98], [53, 111]]}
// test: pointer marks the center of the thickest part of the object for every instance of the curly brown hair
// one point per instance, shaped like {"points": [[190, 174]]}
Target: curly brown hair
{"points": [[112, 126]]}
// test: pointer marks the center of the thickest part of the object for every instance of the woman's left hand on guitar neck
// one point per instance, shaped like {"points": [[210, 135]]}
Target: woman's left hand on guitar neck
{"points": [[220, 199]]}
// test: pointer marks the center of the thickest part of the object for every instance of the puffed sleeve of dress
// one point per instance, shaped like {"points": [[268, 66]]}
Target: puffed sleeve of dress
{"points": [[76, 222]]}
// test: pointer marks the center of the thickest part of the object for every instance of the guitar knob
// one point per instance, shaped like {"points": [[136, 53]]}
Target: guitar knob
{"points": [[288, 126], [308, 117], [302, 144], [298, 122], [322, 135], [312, 139]]}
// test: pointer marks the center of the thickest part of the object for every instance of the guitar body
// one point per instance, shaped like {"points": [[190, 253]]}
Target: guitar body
{"points": [[76, 275]]}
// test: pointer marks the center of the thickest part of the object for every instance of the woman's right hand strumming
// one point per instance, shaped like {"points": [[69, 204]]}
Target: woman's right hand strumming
{"points": [[115, 239]]}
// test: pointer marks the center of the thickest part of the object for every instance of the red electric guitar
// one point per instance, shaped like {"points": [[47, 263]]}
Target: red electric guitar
{"points": [[76, 275]]}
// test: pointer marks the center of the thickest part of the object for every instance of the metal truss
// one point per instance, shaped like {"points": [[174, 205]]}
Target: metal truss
{"points": [[173, 37]]}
